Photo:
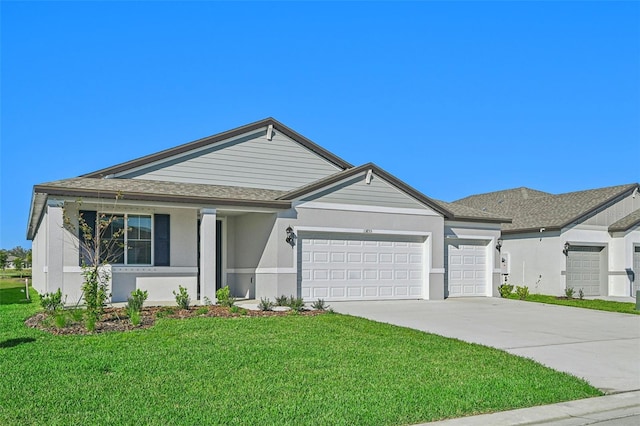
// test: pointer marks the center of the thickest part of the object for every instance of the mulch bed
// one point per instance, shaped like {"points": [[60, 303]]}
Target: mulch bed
{"points": [[116, 319]]}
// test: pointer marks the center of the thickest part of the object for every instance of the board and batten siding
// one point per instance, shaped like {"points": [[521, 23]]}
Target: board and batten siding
{"points": [[250, 161], [377, 193], [615, 212]]}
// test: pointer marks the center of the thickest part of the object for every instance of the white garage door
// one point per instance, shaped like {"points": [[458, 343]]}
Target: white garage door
{"points": [[636, 269], [583, 269], [466, 267], [360, 267]]}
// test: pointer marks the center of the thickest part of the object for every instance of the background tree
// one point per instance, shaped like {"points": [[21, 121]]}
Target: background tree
{"points": [[18, 264], [3, 260]]}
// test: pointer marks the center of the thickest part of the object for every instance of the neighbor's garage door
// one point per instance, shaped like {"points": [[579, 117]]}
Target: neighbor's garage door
{"points": [[583, 269], [636, 270], [466, 267], [360, 267]]}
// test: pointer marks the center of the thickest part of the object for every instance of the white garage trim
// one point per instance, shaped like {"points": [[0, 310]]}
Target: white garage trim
{"points": [[372, 233]]}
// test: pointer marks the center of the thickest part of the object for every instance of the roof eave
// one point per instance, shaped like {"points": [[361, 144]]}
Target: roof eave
{"points": [[137, 196]]}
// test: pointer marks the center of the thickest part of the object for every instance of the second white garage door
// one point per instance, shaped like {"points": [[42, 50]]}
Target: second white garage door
{"points": [[337, 267], [466, 267]]}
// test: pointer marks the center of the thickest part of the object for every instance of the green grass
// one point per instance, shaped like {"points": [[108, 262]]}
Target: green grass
{"points": [[325, 370], [597, 304]]}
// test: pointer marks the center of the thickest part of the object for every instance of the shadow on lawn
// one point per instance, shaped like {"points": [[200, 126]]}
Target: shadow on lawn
{"points": [[10, 343], [13, 296]]}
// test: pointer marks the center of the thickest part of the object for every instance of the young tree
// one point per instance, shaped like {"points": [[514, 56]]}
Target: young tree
{"points": [[100, 243]]}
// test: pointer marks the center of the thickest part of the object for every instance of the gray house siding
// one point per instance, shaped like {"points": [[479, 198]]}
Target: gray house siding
{"points": [[250, 161], [614, 212], [376, 193]]}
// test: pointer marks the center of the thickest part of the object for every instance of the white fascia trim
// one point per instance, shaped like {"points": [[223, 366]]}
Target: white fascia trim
{"points": [[363, 208], [363, 231], [485, 226]]}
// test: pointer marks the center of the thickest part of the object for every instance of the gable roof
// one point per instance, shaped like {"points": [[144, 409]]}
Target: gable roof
{"points": [[626, 223], [340, 176], [532, 210], [220, 137]]}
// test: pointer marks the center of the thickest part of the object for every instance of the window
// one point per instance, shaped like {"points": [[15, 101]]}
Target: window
{"points": [[130, 247], [129, 239]]}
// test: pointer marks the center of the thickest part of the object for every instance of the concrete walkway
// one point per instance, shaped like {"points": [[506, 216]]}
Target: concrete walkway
{"points": [[601, 347], [622, 409]]}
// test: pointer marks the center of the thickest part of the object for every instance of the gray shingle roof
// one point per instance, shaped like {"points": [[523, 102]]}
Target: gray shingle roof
{"points": [[131, 187], [627, 222], [532, 210], [462, 212]]}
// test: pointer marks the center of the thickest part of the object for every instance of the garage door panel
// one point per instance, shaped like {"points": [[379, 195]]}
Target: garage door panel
{"points": [[361, 267], [583, 269], [466, 267]]}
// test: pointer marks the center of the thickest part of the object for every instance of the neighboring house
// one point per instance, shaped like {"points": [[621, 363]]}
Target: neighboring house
{"points": [[587, 240], [267, 212]]}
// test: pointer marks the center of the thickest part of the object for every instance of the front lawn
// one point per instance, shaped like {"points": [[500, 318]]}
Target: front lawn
{"points": [[326, 369], [597, 304]]}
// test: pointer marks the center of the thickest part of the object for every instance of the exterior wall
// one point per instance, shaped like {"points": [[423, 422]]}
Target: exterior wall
{"points": [[483, 232], [276, 272], [183, 254], [614, 212], [39, 251], [376, 193], [537, 261], [249, 161]]}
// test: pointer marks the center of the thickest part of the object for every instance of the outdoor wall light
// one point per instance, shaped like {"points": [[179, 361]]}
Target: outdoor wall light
{"points": [[290, 236], [499, 244], [565, 250]]}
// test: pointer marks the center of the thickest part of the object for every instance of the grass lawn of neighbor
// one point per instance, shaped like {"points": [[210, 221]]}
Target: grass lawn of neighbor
{"points": [[597, 304], [328, 369]]}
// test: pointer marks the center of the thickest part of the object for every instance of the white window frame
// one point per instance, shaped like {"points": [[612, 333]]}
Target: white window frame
{"points": [[126, 236]]}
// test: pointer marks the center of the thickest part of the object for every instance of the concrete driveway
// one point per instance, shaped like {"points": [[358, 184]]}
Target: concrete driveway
{"points": [[601, 347]]}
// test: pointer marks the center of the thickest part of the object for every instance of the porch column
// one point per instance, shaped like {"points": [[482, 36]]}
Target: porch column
{"points": [[55, 248], [208, 254]]}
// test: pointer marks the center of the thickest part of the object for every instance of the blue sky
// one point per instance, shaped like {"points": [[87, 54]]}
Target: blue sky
{"points": [[454, 98]]}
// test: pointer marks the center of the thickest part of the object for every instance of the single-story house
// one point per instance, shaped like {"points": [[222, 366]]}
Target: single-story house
{"points": [[585, 240], [268, 212]]}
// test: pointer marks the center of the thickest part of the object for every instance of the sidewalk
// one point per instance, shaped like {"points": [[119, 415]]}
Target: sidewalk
{"points": [[618, 409]]}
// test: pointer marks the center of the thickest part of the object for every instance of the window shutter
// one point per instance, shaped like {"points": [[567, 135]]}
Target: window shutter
{"points": [[86, 249], [161, 239]]}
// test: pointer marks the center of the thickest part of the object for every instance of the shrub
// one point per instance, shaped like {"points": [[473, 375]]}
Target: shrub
{"points": [[505, 290], [282, 300], [580, 294], [165, 312], [182, 298], [202, 310], [295, 303], [237, 310], [319, 305], [77, 314], [134, 317], [91, 322], [224, 297], [568, 292], [265, 304], [135, 302], [52, 301], [522, 292], [60, 318]]}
